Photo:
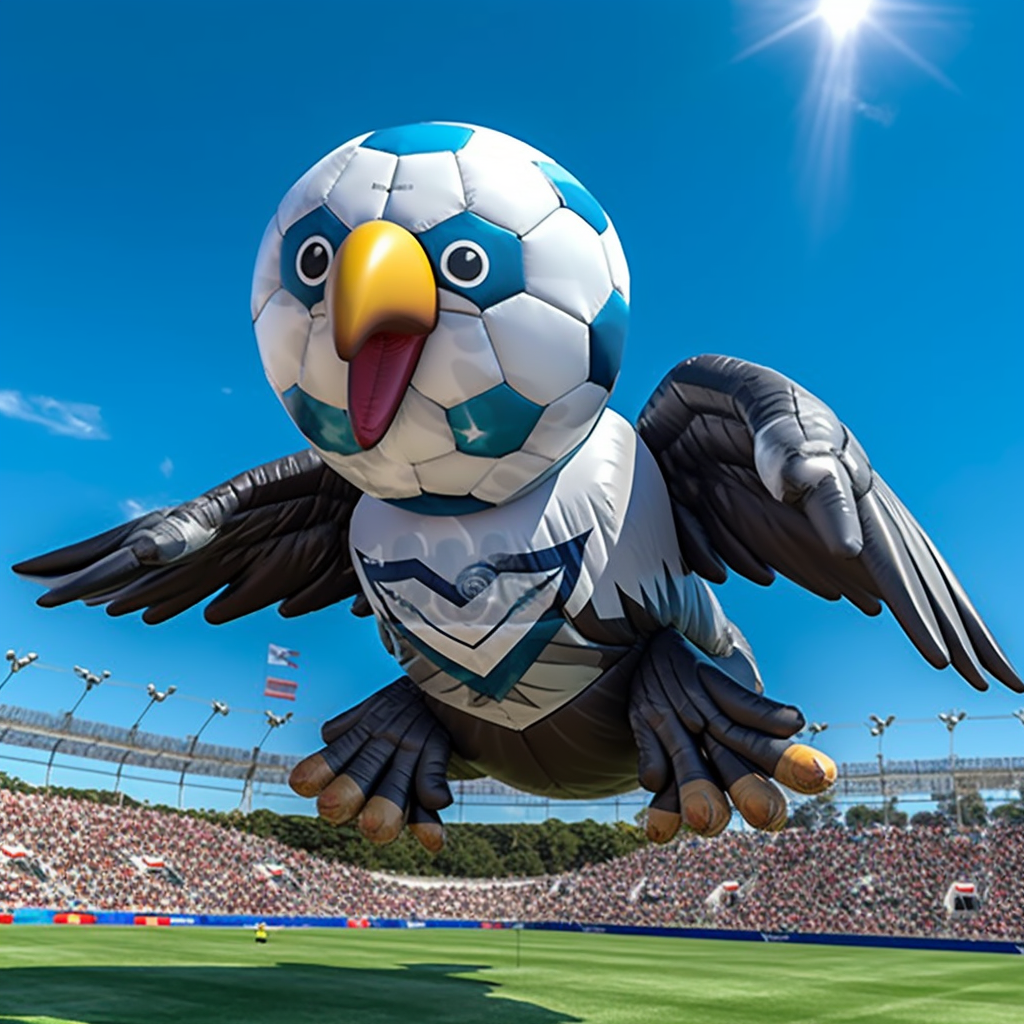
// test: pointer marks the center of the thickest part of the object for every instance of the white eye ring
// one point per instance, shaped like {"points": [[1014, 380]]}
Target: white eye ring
{"points": [[307, 279], [464, 282]]}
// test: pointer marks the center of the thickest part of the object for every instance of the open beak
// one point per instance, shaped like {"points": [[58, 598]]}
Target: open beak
{"points": [[382, 304]]}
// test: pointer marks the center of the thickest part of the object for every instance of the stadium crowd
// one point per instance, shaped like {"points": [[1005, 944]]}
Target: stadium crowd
{"points": [[79, 854]]}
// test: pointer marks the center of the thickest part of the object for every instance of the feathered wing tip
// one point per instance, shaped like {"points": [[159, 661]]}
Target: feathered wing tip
{"points": [[276, 533], [764, 478]]}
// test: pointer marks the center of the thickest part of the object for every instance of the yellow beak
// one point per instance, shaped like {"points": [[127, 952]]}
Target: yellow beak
{"points": [[381, 282]]}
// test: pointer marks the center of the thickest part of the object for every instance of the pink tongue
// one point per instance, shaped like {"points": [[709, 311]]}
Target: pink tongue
{"points": [[377, 378]]}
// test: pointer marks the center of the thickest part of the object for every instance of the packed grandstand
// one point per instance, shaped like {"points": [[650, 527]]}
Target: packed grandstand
{"points": [[65, 852]]}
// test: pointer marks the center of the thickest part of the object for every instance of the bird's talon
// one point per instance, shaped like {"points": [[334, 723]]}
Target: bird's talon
{"points": [[310, 776], [805, 770], [430, 835], [704, 807], [340, 801], [760, 802], [381, 820], [661, 825]]}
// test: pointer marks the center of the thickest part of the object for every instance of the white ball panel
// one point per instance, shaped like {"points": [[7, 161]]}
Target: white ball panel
{"points": [[312, 188], [455, 303], [420, 431], [454, 473], [324, 375], [509, 147], [342, 464], [281, 333], [504, 186], [361, 193], [384, 478], [565, 264], [266, 277], [564, 424], [426, 190], [543, 352], [509, 476], [457, 362], [616, 261]]}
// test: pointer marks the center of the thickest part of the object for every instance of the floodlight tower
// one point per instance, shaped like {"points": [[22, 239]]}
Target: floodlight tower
{"points": [[91, 680], [155, 697], [877, 727], [951, 719], [218, 708], [816, 729], [17, 664], [273, 722]]}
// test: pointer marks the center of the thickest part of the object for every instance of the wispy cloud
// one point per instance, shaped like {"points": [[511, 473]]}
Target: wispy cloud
{"points": [[880, 113], [167, 467], [132, 508], [68, 419]]}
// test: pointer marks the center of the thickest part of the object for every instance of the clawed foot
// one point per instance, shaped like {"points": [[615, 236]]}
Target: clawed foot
{"points": [[385, 765], [701, 735]]}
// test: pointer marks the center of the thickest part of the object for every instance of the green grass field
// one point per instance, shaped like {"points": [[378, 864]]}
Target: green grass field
{"points": [[201, 976]]}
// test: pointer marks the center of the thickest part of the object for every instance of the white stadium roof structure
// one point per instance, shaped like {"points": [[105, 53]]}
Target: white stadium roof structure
{"points": [[184, 756]]}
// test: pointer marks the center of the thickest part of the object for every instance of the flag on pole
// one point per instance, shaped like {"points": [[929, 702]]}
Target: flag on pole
{"points": [[281, 656], [283, 689]]}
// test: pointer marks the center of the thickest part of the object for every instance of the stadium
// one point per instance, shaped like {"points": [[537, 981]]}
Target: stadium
{"points": [[927, 908]]}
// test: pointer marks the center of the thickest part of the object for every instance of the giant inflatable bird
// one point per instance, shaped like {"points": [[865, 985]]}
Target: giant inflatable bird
{"points": [[442, 309]]}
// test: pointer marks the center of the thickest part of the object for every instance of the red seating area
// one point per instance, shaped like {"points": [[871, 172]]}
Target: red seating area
{"points": [[885, 881]]}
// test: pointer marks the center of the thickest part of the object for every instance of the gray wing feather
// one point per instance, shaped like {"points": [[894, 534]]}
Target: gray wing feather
{"points": [[276, 533], [764, 478]]}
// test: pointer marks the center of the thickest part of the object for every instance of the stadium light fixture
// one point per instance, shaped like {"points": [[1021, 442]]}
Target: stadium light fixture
{"points": [[274, 721], [217, 707], [951, 719], [17, 664], [155, 697], [816, 729], [877, 726], [91, 680]]}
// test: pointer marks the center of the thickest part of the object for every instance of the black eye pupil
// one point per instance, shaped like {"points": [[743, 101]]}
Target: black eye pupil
{"points": [[314, 261], [464, 263]]}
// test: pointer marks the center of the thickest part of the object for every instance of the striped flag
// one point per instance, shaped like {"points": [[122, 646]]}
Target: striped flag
{"points": [[282, 656], [283, 689]]}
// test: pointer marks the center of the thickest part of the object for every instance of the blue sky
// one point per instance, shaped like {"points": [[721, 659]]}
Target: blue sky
{"points": [[146, 146]]}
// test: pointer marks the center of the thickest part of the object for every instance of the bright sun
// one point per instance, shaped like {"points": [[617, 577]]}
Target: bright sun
{"points": [[842, 16]]}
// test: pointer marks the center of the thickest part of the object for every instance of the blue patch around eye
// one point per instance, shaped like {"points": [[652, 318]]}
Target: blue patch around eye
{"points": [[320, 222], [504, 254], [574, 195], [607, 338], [324, 425], [419, 138], [493, 424]]}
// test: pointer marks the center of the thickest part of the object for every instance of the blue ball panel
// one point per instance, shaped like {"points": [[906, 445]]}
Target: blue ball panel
{"points": [[320, 222], [574, 195], [419, 138], [607, 338], [440, 504], [493, 424], [504, 253], [322, 424]]}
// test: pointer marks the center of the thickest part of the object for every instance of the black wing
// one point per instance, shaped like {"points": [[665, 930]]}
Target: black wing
{"points": [[278, 532], [764, 477]]}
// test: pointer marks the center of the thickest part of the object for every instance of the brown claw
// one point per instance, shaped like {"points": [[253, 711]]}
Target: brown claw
{"points": [[760, 802], [310, 776], [704, 807], [381, 821], [340, 801], [805, 770], [430, 834]]}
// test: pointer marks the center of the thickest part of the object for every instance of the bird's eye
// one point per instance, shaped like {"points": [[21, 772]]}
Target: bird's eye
{"points": [[464, 263], [313, 260]]}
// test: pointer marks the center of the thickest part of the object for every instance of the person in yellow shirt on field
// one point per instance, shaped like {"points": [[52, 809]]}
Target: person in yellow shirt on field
{"points": [[261, 932]]}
